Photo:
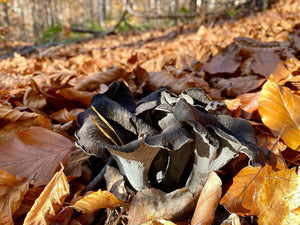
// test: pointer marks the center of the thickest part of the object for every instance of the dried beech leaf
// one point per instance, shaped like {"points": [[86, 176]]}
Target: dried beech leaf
{"points": [[234, 86], [12, 191], [28, 154], [177, 84], [34, 99], [208, 201], [222, 64], [97, 200], [241, 197], [76, 95], [279, 199], [28, 201], [265, 62], [159, 222], [63, 116], [153, 204], [50, 201], [279, 110], [93, 82], [12, 121]]}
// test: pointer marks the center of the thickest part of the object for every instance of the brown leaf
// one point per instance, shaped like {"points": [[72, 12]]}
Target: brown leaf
{"points": [[97, 200], [63, 116], [28, 154], [12, 191], [279, 110], [93, 82], [50, 201], [279, 200], [236, 85], [208, 201], [265, 62], [242, 194], [178, 84], [222, 64], [75, 95], [34, 99], [12, 121], [153, 204]]}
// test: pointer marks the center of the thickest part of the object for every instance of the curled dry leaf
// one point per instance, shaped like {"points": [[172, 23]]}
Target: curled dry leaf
{"points": [[12, 121], [34, 99], [12, 191], [153, 204], [25, 153], [208, 201], [279, 110], [159, 222], [178, 83], [93, 82], [63, 116], [98, 200], [279, 199], [50, 201]]}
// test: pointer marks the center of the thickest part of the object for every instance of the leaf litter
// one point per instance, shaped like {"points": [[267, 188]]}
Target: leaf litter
{"points": [[209, 116]]}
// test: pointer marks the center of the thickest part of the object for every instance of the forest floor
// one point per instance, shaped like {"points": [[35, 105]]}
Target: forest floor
{"points": [[224, 152]]}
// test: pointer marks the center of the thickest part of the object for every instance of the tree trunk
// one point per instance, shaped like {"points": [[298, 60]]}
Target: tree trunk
{"points": [[5, 14], [102, 12]]}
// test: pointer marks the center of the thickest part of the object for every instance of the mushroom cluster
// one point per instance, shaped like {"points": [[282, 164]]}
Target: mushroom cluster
{"points": [[164, 140]]}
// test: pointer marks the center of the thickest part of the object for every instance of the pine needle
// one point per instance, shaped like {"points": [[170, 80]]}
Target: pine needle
{"points": [[107, 123], [102, 130]]}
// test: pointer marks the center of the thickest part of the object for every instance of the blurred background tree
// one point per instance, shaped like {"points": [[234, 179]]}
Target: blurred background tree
{"points": [[47, 20]]}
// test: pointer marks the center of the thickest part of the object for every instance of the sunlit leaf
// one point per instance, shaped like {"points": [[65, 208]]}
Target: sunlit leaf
{"points": [[241, 196], [50, 201], [279, 110], [208, 201], [97, 200], [279, 199], [12, 191]]}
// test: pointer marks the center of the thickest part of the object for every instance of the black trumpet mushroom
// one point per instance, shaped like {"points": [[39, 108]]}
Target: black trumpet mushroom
{"points": [[164, 140]]}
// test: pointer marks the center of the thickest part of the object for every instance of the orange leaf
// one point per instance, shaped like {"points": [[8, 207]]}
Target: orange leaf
{"points": [[280, 111], [12, 191], [208, 201], [30, 152], [279, 200], [50, 201], [242, 194], [98, 200]]}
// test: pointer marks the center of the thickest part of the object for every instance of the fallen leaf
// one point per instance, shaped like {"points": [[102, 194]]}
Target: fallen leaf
{"points": [[159, 222], [63, 116], [34, 99], [279, 110], [28, 201], [12, 121], [28, 154], [241, 196], [153, 204], [93, 82], [265, 62], [50, 200], [12, 191], [234, 86], [279, 200], [98, 200], [208, 201]]}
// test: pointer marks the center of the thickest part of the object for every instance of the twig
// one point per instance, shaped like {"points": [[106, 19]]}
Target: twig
{"points": [[99, 177]]}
